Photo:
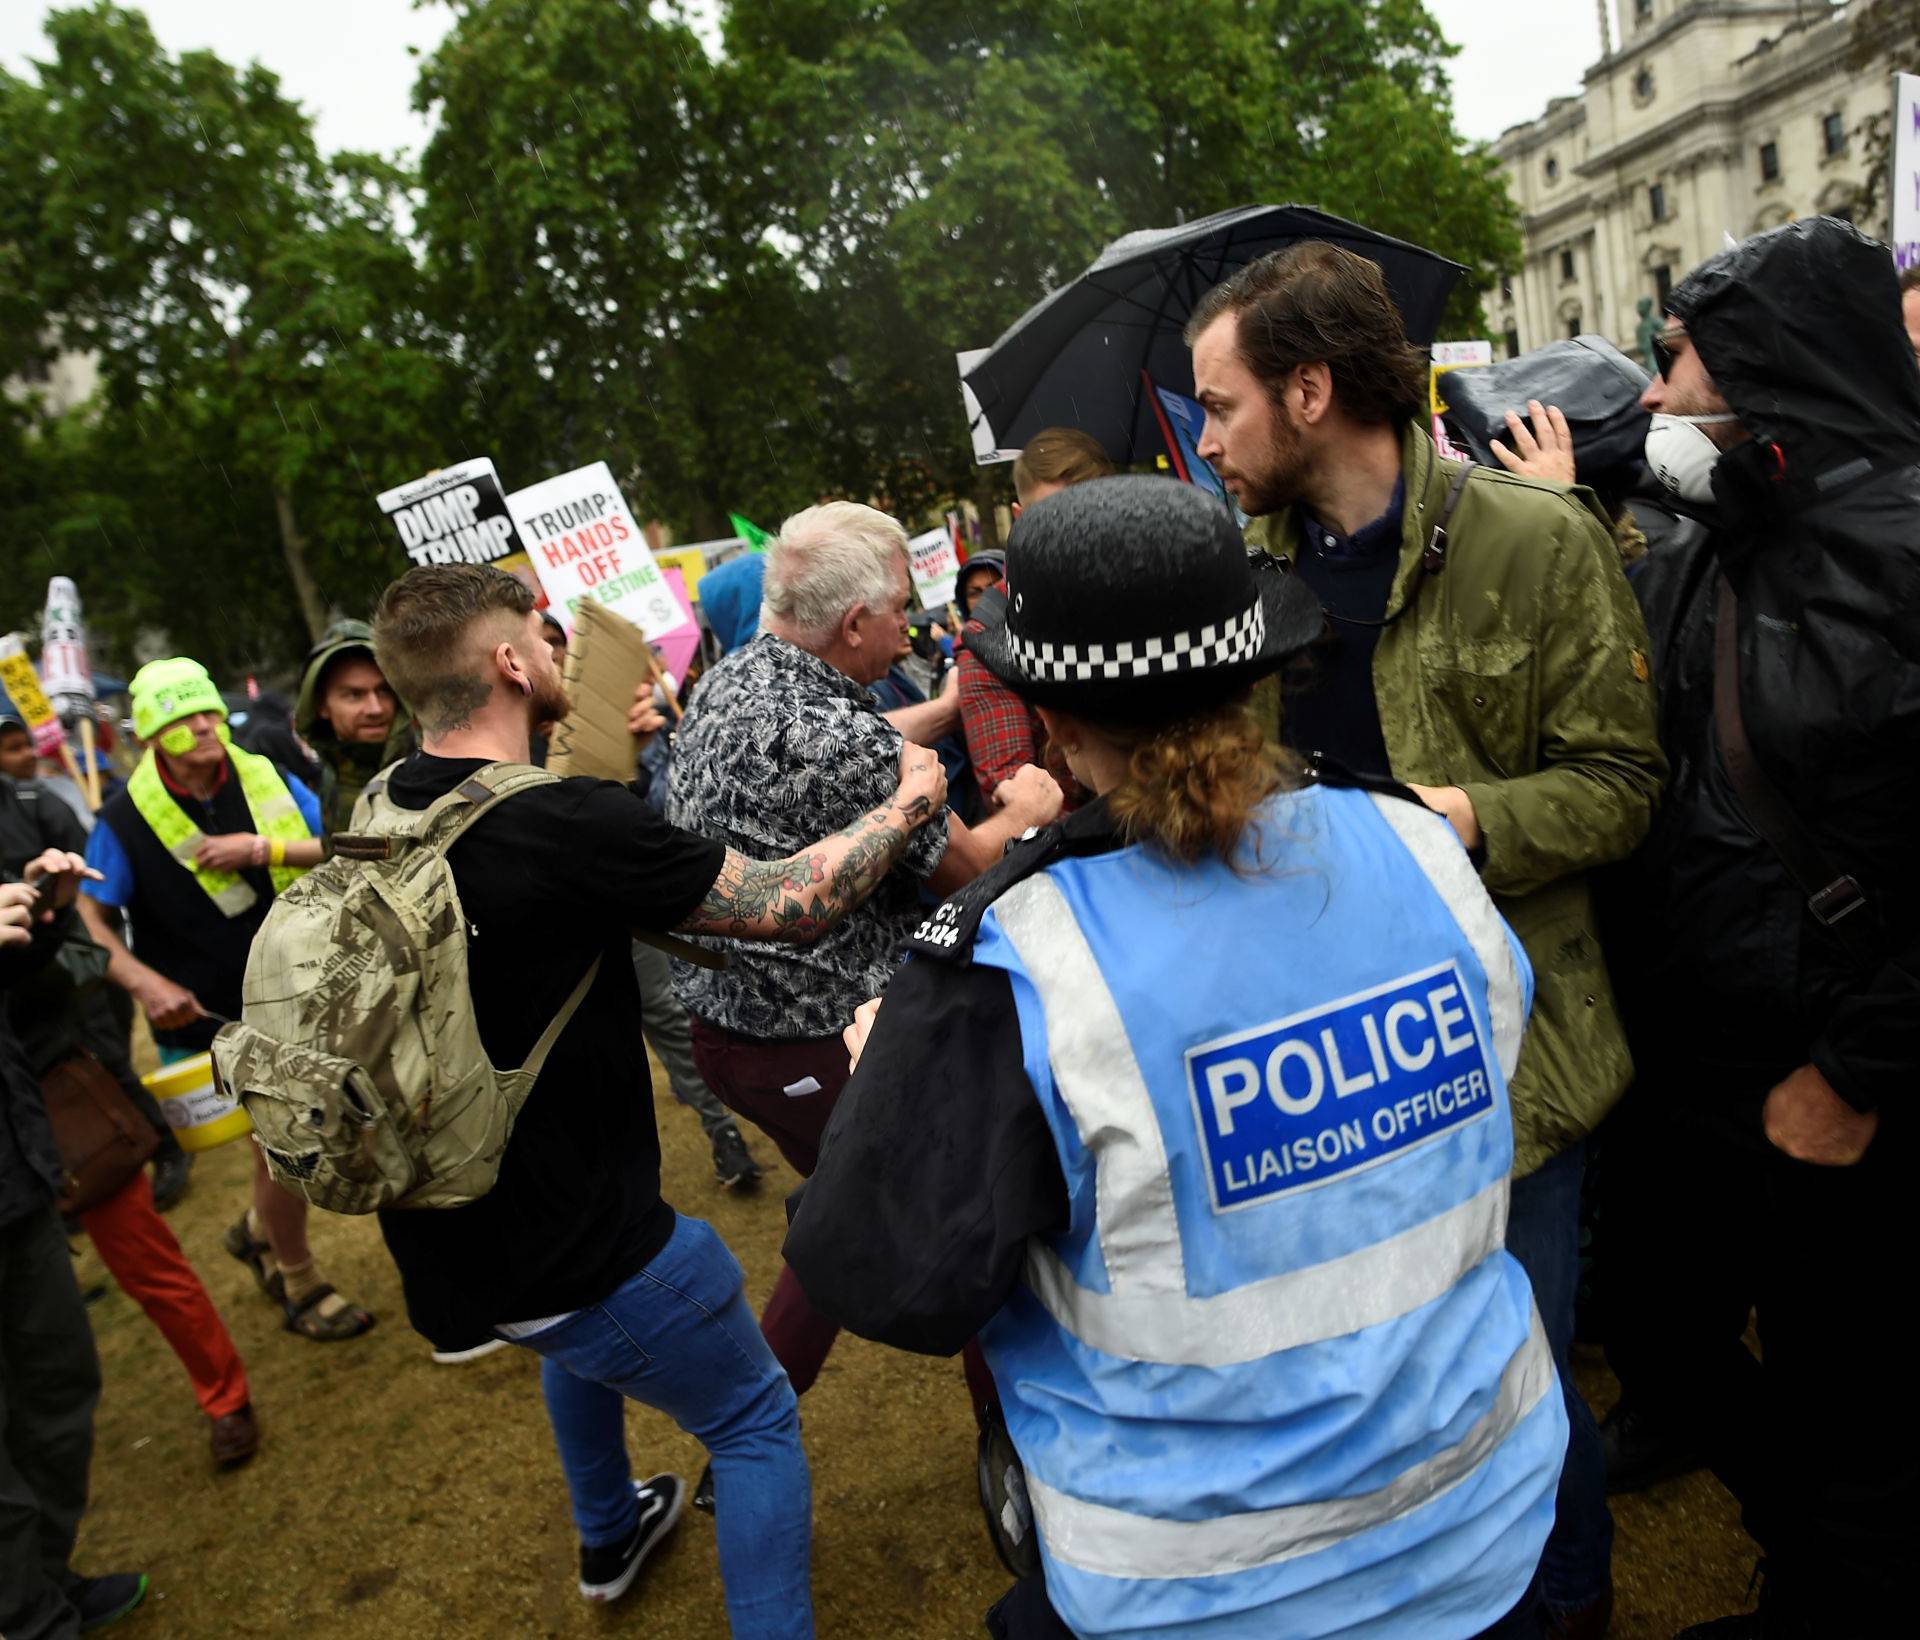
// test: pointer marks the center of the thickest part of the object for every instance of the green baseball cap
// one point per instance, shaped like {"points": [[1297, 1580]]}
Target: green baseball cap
{"points": [[166, 691]]}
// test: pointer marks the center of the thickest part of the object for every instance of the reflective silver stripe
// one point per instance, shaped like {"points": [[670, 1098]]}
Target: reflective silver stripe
{"points": [[1373, 1285], [1099, 1078], [1437, 851], [1114, 1543]]}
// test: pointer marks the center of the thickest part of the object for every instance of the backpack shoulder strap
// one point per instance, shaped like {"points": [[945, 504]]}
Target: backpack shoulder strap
{"points": [[531, 1066], [442, 825], [439, 825]]}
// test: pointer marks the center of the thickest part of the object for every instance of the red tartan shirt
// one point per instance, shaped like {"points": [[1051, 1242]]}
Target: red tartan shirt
{"points": [[1001, 729]]}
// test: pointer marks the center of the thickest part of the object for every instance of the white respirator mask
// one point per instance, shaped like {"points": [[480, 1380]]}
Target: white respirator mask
{"points": [[1681, 456]]}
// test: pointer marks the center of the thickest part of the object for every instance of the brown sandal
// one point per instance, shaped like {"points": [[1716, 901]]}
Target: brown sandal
{"points": [[305, 1318]]}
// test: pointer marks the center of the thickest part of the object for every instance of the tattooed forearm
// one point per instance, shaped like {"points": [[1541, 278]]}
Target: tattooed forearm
{"points": [[801, 897]]}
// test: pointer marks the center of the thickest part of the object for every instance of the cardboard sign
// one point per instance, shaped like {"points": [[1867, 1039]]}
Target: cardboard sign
{"points": [[586, 548], [607, 661], [455, 516], [65, 673], [22, 684], [1905, 186], [934, 566]]}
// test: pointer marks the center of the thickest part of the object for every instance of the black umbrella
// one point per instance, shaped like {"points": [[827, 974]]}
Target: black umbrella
{"points": [[1074, 358]]}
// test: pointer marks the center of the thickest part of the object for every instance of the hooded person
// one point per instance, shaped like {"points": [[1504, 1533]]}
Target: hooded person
{"points": [[1193, 1109], [1588, 427], [980, 573], [730, 599], [350, 717], [1766, 936]]}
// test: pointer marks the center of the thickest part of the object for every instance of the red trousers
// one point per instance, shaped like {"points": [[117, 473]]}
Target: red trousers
{"points": [[140, 1252], [758, 1080]]}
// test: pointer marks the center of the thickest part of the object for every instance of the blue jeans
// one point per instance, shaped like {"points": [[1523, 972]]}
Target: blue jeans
{"points": [[679, 1337], [1543, 1233]]}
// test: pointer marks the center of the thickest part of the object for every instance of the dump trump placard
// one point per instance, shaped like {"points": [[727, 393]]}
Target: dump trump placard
{"points": [[457, 515], [585, 545]]}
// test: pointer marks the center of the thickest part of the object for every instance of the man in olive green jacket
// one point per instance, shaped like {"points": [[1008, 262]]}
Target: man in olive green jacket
{"points": [[1482, 646]]}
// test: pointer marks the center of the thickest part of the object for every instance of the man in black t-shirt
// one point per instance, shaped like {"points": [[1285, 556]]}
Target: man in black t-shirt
{"points": [[573, 1253]]}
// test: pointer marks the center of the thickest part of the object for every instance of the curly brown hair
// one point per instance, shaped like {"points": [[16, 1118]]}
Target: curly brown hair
{"points": [[1192, 787], [1315, 303]]}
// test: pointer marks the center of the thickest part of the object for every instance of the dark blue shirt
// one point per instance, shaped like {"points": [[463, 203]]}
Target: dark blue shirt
{"points": [[1329, 704]]}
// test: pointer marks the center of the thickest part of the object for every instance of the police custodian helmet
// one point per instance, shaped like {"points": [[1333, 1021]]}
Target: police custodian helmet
{"points": [[1135, 600]]}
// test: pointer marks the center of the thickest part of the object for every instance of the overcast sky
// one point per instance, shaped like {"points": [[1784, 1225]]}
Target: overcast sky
{"points": [[347, 60]]}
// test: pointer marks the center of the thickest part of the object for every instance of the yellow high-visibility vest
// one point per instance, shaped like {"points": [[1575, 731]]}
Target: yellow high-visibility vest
{"points": [[275, 816]]}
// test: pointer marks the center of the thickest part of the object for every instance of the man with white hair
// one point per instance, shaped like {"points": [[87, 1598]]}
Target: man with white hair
{"points": [[782, 737]]}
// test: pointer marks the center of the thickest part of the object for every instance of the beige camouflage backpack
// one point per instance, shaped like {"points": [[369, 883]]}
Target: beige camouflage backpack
{"points": [[357, 1055]]}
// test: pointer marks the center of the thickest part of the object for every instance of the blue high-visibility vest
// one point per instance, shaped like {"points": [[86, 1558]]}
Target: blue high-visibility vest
{"points": [[1279, 1376]]}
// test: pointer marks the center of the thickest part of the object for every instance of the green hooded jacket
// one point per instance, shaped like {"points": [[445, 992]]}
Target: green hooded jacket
{"points": [[1520, 675], [345, 766]]}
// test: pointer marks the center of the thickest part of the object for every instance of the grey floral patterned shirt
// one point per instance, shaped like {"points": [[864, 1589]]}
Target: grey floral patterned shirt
{"points": [[778, 750]]}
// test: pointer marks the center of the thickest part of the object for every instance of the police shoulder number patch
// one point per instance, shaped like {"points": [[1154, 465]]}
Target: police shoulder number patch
{"points": [[1305, 1100]]}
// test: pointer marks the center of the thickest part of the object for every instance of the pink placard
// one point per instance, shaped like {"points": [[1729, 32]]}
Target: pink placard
{"points": [[678, 646]]}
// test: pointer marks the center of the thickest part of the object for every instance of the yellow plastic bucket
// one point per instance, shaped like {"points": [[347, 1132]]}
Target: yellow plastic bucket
{"points": [[200, 1115]]}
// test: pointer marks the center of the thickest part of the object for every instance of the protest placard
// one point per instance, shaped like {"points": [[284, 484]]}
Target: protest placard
{"points": [[1905, 186], [66, 674], [692, 564], [934, 566], [678, 647], [22, 685], [586, 548], [457, 515]]}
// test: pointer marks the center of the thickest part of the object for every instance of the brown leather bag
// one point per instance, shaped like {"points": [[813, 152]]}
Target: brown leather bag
{"points": [[103, 1139]]}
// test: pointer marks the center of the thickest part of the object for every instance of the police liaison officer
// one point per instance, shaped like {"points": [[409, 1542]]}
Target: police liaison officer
{"points": [[1194, 1109]]}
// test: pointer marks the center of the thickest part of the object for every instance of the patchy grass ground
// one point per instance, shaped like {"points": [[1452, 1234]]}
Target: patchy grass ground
{"points": [[392, 1496]]}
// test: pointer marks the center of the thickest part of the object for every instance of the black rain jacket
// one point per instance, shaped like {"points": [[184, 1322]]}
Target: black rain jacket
{"points": [[1726, 979]]}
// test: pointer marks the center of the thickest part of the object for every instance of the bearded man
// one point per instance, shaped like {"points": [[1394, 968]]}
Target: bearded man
{"points": [[1482, 647]]}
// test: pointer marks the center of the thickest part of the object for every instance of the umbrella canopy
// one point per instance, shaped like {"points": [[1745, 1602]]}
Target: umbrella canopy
{"points": [[1074, 358]]}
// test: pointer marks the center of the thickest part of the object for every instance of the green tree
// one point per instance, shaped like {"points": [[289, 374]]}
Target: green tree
{"points": [[605, 267], [944, 167], [265, 362]]}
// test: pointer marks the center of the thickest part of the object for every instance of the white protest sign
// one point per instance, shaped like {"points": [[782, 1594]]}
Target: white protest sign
{"points": [[455, 516], [1906, 170], [986, 452], [64, 670], [585, 546], [934, 566], [1452, 353]]}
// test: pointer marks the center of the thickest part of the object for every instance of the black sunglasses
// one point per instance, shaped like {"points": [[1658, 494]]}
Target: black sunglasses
{"points": [[1663, 353]]}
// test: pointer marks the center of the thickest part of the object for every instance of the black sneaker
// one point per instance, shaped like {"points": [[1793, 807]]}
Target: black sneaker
{"points": [[733, 1163], [1641, 1452], [703, 1491], [608, 1572], [172, 1174], [104, 1600]]}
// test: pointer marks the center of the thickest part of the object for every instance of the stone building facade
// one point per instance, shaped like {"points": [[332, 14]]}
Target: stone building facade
{"points": [[1704, 118]]}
